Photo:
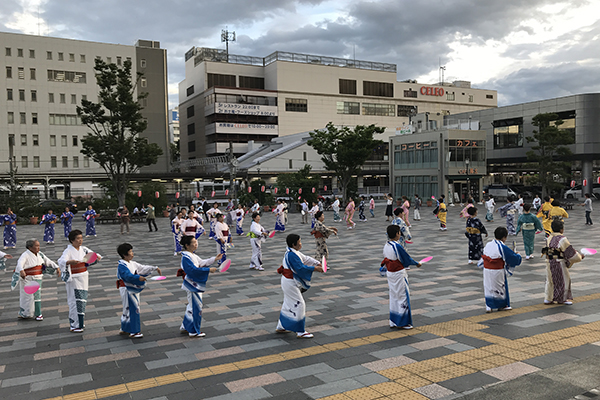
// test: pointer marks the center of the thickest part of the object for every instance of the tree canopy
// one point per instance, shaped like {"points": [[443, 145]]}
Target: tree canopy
{"points": [[550, 150], [344, 150], [115, 124], [302, 179]]}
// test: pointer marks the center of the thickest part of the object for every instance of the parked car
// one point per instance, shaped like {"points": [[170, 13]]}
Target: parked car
{"points": [[57, 205], [575, 192], [499, 191]]}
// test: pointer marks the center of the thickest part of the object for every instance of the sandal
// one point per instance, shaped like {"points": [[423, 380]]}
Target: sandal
{"points": [[136, 335], [306, 335]]}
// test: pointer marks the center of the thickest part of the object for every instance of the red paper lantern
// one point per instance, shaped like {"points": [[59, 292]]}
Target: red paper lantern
{"points": [[300, 191], [585, 182], [197, 195], [139, 193], [249, 189], [287, 190], [598, 180], [299, 197], [226, 192], [325, 188], [177, 195], [313, 190], [157, 194], [275, 190], [572, 183], [212, 194], [262, 188]]}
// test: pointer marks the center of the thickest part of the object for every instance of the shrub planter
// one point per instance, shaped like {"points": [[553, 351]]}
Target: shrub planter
{"points": [[429, 203], [33, 220]]}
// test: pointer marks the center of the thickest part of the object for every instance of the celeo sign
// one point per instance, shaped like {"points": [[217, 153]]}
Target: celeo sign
{"points": [[432, 91]]}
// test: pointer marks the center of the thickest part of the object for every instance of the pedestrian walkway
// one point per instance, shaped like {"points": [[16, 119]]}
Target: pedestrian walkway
{"points": [[455, 350]]}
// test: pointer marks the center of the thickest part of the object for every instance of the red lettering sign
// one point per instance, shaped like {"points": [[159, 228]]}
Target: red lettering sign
{"points": [[431, 91]]}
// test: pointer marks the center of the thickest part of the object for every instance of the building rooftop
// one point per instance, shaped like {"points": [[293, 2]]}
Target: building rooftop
{"points": [[201, 54]]}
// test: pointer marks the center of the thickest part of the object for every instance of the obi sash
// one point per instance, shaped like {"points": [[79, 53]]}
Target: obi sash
{"points": [[225, 233], [37, 270], [120, 283], [78, 268], [392, 265], [181, 272], [285, 272], [317, 234], [473, 231], [492, 263], [190, 229]]}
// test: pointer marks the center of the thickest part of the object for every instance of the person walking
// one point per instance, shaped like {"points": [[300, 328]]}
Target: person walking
{"points": [[372, 206], [418, 203], [588, 209], [151, 218], [124, 217]]}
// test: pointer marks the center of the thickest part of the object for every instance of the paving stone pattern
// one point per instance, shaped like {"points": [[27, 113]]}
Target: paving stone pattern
{"points": [[454, 349]]}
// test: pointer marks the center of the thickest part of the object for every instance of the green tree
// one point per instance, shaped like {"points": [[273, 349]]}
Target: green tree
{"points": [[294, 181], [115, 124], [550, 151], [264, 198], [344, 150]]}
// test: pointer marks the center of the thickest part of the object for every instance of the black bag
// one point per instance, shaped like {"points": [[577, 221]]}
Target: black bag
{"points": [[435, 210]]}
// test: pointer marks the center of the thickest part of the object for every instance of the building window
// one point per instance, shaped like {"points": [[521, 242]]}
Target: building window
{"points": [[32, 74], [143, 101], [34, 95], [34, 118], [109, 60], [386, 110], [143, 63], [9, 94], [66, 76], [191, 146], [61, 56], [86, 162], [24, 162], [252, 82], [48, 55], [8, 52], [75, 141], [63, 98], [190, 111], [410, 93], [71, 57], [508, 133], [381, 89], [31, 53], [19, 52], [191, 129], [348, 107], [21, 94], [119, 60], [53, 162], [450, 96], [23, 118], [489, 96], [303, 156], [50, 97], [53, 140], [470, 98], [75, 162], [11, 117], [23, 140], [290, 164], [64, 119], [190, 90], [9, 72], [65, 162], [407, 111], [220, 80], [144, 82], [128, 59], [347, 86], [63, 140], [21, 72], [36, 161], [83, 97], [73, 99], [82, 58], [296, 105], [35, 140]]}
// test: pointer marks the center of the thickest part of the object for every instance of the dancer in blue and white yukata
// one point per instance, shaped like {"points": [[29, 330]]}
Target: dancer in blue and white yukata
{"points": [[395, 262], [176, 230], [201, 231], [296, 274], [10, 229], [49, 220], [212, 219], [222, 237], [498, 263], [239, 219], [75, 275], [131, 280], [404, 230], [279, 217], [511, 212], [90, 221], [195, 274], [336, 210], [312, 212], [67, 219], [257, 235], [361, 210]]}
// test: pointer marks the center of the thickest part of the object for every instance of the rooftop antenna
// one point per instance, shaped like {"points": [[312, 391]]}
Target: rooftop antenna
{"points": [[441, 72], [227, 37]]}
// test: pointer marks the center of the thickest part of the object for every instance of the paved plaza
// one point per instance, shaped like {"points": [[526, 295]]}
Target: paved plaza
{"points": [[455, 351]]}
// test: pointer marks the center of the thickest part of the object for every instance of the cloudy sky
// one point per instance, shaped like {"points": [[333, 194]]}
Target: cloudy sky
{"points": [[524, 49]]}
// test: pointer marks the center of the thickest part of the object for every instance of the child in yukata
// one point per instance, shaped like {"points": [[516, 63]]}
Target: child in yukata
{"points": [[530, 224], [474, 231]]}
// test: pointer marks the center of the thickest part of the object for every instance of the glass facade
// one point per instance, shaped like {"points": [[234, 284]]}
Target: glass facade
{"points": [[423, 185], [417, 155], [508, 133]]}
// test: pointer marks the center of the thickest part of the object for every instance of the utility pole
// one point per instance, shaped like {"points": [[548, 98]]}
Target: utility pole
{"points": [[227, 37], [11, 162]]}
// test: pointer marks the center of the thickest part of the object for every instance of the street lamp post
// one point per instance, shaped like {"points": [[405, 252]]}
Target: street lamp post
{"points": [[468, 180]]}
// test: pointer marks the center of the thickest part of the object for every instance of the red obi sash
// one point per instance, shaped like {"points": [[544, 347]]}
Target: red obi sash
{"points": [[37, 270], [285, 272], [225, 233], [392, 265], [492, 263], [78, 268], [317, 234], [181, 273], [120, 283], [190, 229]]}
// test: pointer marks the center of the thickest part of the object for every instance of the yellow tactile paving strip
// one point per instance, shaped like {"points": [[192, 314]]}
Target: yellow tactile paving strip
{"points": [[405, 378]]}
